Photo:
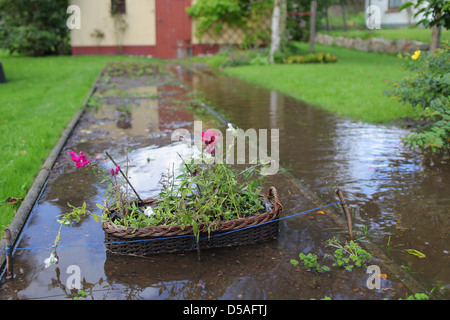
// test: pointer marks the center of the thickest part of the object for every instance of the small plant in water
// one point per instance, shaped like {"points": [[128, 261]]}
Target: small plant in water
{"points": [[345, 256], [349, 255], [418, 296], [310, 263]]}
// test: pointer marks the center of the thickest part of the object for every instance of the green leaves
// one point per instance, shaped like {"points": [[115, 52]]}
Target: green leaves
{"points": [[310, 263], [34, 28], [405, 5], [213, 15], [348, 255], [202, 195], [434, 12], [76, 214], [427, 88]]}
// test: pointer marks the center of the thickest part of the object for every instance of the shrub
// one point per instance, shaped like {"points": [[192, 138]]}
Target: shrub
{"points": [[427, 88], [34, 28], [236, 57], [320, 57]]}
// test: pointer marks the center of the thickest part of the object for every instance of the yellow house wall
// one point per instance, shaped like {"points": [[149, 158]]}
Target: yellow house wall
{"points": [[95, 14]]}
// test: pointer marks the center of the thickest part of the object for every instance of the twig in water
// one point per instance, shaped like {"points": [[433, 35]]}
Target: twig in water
{"points": [[128, 181]]}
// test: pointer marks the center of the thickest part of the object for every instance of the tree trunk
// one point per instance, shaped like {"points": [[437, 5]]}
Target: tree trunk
{"points": [[283, 17], [344, 21], [276, 39], [312, 24], [435, 35]]}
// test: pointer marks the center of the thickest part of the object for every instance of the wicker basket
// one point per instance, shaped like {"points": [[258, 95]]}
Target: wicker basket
{"points": [[171, 239]]}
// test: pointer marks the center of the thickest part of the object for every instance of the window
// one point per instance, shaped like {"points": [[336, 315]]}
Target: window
{"points": [[394, 4], [118, 7]]}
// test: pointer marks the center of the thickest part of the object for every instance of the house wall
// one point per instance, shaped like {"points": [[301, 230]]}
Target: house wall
{"points": [[393, 18], [138, 37], [145, 32]]}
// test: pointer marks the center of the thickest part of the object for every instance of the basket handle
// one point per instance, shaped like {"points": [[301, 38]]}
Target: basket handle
{"points": [[273, 194]]}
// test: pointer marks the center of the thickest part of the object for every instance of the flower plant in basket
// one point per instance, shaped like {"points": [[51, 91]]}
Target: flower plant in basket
{"points": [[201, 197]]}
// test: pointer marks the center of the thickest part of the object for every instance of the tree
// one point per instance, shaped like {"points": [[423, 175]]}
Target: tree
{"points": [[276, 33], [436, 14], [344, 20], [312, 33], [34, 28]]}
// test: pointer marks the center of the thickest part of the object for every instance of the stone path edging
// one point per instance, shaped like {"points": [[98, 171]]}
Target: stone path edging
{"points": [[379, 45]]}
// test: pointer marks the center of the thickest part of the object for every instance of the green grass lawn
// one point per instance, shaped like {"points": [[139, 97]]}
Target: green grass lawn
{"points": [[419, 34], [353, 86], [36, 104]]}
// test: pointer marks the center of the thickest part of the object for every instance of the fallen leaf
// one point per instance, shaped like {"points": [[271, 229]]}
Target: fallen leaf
{"points": [[383, 275], [415, 253], [321, 212], [12, 200]]}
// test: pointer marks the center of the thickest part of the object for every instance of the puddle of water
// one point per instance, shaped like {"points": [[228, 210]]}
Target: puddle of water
{"points": [[316, 154], [398, 195]]}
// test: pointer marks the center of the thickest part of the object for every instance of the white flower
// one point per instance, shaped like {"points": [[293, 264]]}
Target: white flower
{"points": [[196, 154], [51, 260], [231, 129], [149, 211]]}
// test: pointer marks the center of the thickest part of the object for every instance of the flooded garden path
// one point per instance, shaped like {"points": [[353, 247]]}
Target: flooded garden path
{"points": [[399, 199]]}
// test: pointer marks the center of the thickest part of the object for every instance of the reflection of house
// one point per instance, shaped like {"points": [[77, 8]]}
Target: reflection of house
{"points": [[391, 16], [160, 28]]}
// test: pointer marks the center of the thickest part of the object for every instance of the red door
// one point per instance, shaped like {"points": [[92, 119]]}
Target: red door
{"points": [[173, 28]]}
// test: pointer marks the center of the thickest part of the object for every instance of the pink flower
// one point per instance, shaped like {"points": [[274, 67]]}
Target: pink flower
{"points": [[210, 149], [74, 156], [79, 159], [210, 137], [194, 173], [115, 172]]}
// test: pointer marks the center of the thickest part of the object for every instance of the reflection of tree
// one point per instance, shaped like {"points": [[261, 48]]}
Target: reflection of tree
{"points": [[87, 287]]}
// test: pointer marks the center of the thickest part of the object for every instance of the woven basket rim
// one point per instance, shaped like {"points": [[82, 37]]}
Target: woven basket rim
{"points": [[176, 230]]}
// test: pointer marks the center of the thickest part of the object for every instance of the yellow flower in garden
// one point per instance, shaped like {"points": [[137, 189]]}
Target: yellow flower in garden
{"points": [[416, 55]]}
